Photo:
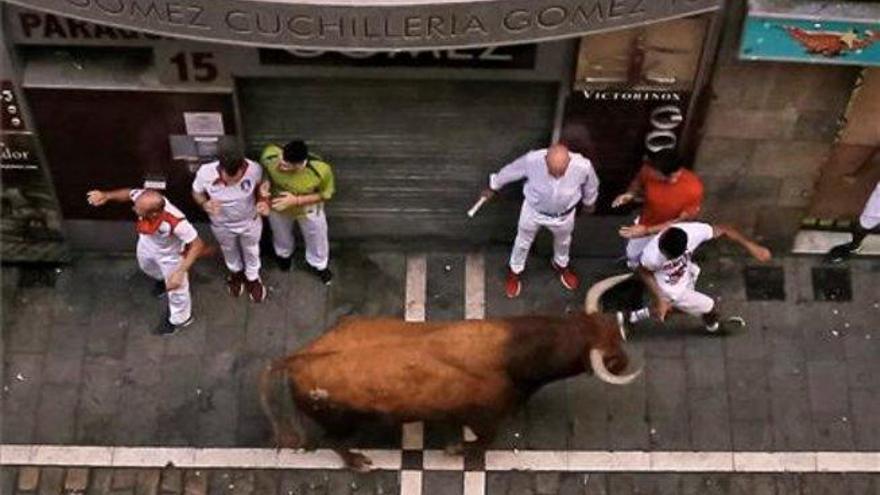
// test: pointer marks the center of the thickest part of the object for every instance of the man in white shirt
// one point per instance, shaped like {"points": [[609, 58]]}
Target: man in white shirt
{"points": [[557, 183], [167, 247], [667, 269], [227, 190], [868, 221]]}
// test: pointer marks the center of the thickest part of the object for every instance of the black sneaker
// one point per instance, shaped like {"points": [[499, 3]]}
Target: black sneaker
{"points": [[840, 253], [325, 275], [168, 328], [159, 288], [284, 263]]}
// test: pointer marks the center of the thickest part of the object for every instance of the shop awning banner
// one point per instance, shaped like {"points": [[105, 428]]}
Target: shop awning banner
{"points": [[371, 25], [811, 40]]}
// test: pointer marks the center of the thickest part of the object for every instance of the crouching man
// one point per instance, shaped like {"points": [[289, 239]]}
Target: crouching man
{"points": [[666, 267], [167, 247]]}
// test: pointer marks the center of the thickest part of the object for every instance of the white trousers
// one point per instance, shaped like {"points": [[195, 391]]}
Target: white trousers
{"points": [[160, 267], [314, 229], [530, 221], [689, 300], [241, 247]]}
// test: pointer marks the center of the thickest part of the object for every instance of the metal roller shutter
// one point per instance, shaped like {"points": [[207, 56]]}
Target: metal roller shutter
{"points": [[410, 156]]}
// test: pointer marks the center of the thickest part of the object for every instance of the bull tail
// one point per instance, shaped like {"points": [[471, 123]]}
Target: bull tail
{"points": [[284, 435]]}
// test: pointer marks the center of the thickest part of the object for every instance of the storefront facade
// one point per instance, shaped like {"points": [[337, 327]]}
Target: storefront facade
{"points": [[125, 92]]}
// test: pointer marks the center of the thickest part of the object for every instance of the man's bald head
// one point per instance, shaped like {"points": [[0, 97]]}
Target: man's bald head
{"points": [[557, 159], [149, 203]]}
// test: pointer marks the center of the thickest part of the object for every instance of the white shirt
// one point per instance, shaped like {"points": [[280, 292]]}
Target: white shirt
{"points": [[870, 218], [168, 234], [672, 275], [545, 193], [238, 202]]}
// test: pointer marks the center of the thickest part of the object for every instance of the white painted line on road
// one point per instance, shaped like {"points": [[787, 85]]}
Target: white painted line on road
{"points": [[413, 436], [391, 459], [774, 462], [410, 483], [475, 287], [474, 483], [840, 462], [416, 287], [439, 460], [702, 462]]}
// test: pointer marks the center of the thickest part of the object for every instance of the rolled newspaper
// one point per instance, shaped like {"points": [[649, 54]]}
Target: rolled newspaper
{"points": [[479, 204]]}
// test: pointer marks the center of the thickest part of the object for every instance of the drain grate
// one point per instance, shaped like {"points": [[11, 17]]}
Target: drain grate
{"points": [[832, 284], [37, 276], [765, 283]]}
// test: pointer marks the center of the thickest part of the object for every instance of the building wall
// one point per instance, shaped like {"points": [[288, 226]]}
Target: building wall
{"points": [[768, 129]]}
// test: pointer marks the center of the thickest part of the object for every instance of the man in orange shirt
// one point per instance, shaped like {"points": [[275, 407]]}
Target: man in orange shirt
{"points": [[671, 194]]}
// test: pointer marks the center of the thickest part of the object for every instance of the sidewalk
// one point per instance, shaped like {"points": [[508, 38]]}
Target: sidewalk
{"points": [[82, 368]]}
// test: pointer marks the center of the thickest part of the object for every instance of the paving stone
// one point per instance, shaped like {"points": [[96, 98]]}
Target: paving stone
{"points": [[102, 481], [28, 478], [752, 484], [23, 377], [64, 358], [865, 421], [29, 331], [548, 426], [217, 410], [705, 484], [827, 383], [56, 414], [628, 483], [107, 332], [7, 473], [140, 414], [51, 481], [195, 483], [833, 431], [751, 435], [579, 483], [172, 481], [445, 287], [667, 404], [147, 482], [709, 419], [192, 340], [124, 479], [102, 385], [76, 479], [748, 389], [588, 410], [793, 425], [442, 482], [788, 484], [266, 482], [628, 428]]}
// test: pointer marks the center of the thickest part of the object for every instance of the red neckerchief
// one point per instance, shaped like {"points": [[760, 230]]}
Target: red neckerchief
{"points": [[149, 226]]}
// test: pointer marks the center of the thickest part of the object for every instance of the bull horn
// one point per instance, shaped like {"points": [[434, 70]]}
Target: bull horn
{"points": [[591, 305], [598, 364]]}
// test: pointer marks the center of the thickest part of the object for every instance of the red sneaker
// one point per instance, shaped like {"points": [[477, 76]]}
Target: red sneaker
{"points": [[235, 283], [256, 290], [567, 276], [513, 286]]}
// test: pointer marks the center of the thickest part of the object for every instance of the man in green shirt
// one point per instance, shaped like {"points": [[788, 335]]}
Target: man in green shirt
{"points": [[297, 185]]}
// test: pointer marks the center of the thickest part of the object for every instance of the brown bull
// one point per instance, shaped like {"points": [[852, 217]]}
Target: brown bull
{"points": [[467, 372]]}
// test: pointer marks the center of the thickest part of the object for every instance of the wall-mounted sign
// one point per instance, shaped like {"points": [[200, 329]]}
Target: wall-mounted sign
{"points": [[10, 112], [203, 123], [806, 40], [491, 57], [18, 151], [369, 24]]}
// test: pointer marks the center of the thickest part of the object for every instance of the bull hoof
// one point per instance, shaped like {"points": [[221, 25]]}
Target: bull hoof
{"points": [[357, 462], [287, 441], [454, 449]]}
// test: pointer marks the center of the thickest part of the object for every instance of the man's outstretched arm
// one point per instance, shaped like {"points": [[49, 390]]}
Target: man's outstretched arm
{"points": [[100, 198], [757, 251]]}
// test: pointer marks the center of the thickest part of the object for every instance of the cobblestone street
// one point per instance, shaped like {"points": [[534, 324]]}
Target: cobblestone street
{"points": [[82, 367]]}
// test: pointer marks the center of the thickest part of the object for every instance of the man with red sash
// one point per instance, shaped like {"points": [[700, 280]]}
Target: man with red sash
{"points": [[167, 247]]}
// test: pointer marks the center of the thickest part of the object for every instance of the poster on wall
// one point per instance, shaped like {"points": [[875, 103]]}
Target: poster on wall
{"points": [[818, 42], [30, 220]]}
